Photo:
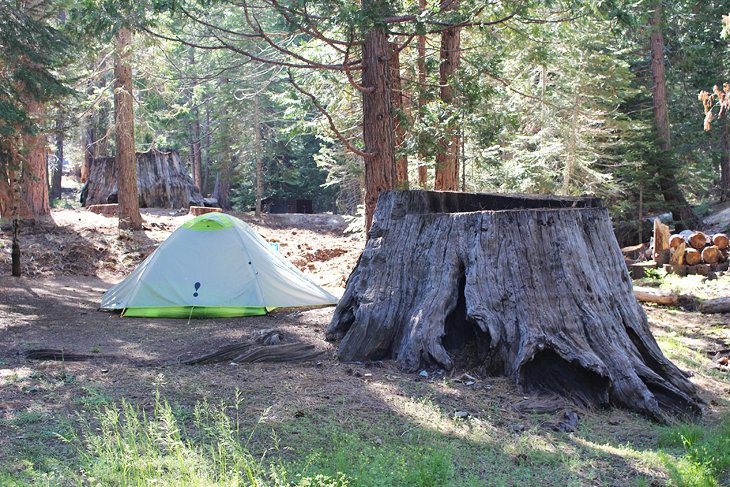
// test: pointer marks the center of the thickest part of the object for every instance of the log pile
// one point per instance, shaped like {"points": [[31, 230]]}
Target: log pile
{"points": [[691, 252]]}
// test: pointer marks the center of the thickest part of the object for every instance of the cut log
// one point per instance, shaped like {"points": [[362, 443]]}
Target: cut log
{"points": [[677, 253], [460, 280], [162, 182], [724, 255], [675, 240], [202, 210], [657, 296], [718, 305], [721, 241], [710, 254], [720, 267], [634, 252], [661, 242], [698, 240], [692, 257], [106, 210]]}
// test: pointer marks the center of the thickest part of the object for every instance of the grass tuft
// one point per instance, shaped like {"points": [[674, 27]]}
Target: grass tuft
{"points": [[706, 458]]}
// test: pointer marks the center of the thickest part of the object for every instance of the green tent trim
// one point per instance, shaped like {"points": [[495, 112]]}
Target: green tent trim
{"points": [[195, 311], [209, 221]]}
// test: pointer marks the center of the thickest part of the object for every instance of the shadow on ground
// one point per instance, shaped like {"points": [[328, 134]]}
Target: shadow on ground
{"points": [[314, 409]]}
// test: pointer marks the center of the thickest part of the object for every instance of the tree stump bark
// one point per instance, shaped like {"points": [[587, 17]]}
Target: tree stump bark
{"points": [[532, 288], [162, 182]]}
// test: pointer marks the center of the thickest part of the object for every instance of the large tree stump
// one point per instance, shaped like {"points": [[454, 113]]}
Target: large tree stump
{"points": [[162, 182], [532, 288]]}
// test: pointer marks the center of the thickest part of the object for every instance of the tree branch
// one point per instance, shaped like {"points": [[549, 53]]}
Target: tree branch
{"points": [[324, 112]]}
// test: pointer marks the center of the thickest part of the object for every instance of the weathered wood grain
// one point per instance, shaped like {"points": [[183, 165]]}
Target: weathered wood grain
{"points": [[446, 280], [162, 182]]}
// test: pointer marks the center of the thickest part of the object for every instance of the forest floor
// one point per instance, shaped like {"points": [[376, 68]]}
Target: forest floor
{"points": [[371, 422]]}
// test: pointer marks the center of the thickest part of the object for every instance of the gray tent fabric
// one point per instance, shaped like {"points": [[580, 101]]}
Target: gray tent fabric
{"points": [[213, 262]]}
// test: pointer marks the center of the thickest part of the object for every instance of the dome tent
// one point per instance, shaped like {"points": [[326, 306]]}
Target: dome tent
{"points": [[214, 265]]}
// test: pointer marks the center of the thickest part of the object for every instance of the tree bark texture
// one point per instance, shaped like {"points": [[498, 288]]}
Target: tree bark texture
{"points": [[491, 281], [447, 157], [34, 177], [129, 216], [724, 159], [162, 182], [56, 176], [667, 180], [377, 108], [421, 66], [88, 138], [195, 142], [257, 148], [396, 88]]}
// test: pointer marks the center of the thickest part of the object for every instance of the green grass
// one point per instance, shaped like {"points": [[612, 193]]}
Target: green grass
{"points": [[705, 454], [422, 445], [207, 446]]}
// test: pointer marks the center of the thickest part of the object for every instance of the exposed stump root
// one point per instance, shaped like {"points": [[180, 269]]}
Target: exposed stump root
{"points": [[54, 354], [266, 347], [537, 291]]}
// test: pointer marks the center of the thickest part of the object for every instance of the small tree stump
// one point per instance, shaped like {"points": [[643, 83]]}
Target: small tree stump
{"points": [[201, 210], [106, 210], [531, 288]]}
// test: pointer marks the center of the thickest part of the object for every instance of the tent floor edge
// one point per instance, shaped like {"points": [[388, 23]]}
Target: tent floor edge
{"points": [[194, 311]]}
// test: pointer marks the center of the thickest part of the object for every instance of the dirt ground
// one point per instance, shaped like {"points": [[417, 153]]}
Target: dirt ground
{"points": [[73, 257], [75, 242]]}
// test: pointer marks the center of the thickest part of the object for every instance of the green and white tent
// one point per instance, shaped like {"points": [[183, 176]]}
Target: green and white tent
{"points": [[214, 265]]}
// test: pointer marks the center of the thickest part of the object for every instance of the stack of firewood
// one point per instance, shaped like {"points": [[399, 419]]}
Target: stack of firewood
{"points": [[690, 252]]}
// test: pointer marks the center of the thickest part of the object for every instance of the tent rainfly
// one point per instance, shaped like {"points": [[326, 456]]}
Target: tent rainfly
{"points": [[213, 266]]}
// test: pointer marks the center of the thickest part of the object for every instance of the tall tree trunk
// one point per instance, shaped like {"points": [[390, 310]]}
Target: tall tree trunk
{"points": [[58, 168], [572, 147], [87, 136], [34, 179], [55, 191], [724, 159], [224, 181], [206, 141], [129, 216], [228, 158], [195, 152], [667, 181], [377, 114], [421, 65], [447, 157], [259, 164], [14, 194], [396, 88]]}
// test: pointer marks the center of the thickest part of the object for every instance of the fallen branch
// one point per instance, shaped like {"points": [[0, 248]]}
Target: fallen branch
{"points": [[717, 305], [58, 355], [657, 296]]}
